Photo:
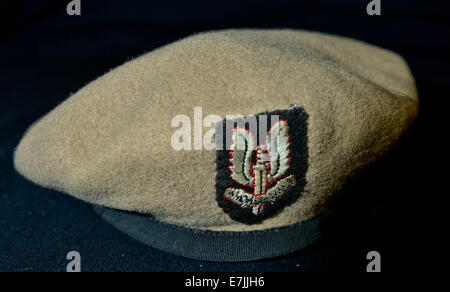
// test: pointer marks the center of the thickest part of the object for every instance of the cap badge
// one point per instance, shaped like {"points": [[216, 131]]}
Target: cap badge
{"points": [[255, 178]]}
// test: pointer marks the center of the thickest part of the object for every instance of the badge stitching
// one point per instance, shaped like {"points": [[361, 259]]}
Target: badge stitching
{"points": [[266, 176], [285, 176]]}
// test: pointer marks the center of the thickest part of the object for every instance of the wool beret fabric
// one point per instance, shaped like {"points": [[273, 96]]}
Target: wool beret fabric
{"points": [[110, 143]]}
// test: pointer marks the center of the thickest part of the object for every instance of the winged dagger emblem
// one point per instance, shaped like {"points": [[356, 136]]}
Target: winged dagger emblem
{"points": [[260, 167]]}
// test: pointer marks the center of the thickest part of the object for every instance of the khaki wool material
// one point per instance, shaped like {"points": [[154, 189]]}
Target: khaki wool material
{"points": [[110, 142]]}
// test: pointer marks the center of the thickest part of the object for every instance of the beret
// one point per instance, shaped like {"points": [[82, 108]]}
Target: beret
{"points": [[226, 145]]}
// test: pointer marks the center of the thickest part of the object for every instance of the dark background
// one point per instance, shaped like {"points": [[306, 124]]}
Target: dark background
{"points": [[397, 207]]}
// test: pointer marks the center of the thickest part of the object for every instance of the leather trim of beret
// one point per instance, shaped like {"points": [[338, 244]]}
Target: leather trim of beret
{"points": [[220, 246]]}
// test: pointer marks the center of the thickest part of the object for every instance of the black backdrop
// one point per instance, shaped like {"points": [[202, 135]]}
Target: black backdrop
{"points": [[397, 207]]}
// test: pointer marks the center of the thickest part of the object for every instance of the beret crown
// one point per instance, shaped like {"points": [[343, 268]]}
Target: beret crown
{"points": [[110, 143]]}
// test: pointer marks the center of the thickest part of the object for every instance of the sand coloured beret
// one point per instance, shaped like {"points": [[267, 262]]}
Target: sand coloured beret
{"points": [[337, 104]]}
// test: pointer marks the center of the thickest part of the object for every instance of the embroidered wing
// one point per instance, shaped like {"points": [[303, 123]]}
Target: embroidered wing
{"points": [[241, 198], [243, 144], [278, 148]]}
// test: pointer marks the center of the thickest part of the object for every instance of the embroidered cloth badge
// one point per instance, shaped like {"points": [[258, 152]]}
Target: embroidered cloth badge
{"points": [[261, 163]]}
